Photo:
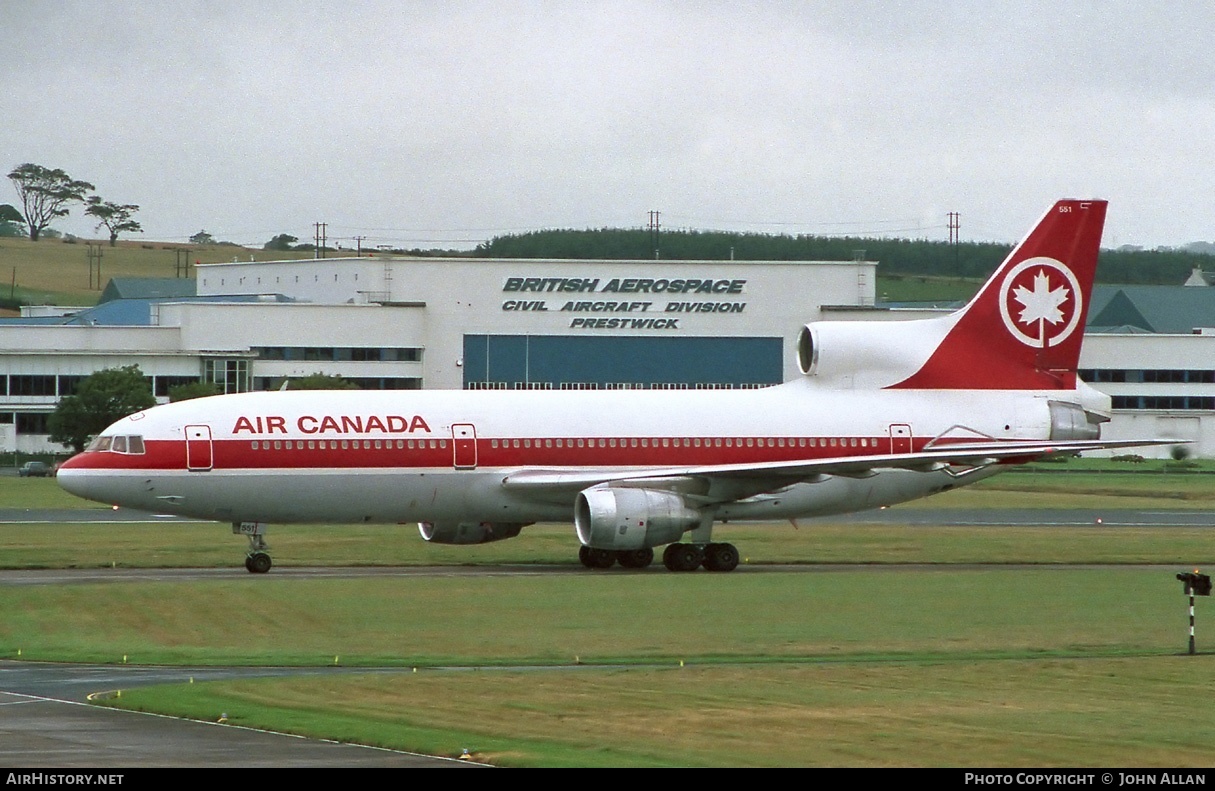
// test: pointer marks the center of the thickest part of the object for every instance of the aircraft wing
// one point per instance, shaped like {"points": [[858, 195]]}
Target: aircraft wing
{"points": [[963, 455]]}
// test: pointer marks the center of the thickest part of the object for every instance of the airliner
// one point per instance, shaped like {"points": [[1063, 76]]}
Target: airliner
{"points": [[884, 412]]}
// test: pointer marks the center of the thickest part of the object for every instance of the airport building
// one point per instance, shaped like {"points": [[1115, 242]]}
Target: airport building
{"points": [[439, 323], [410, 323]]}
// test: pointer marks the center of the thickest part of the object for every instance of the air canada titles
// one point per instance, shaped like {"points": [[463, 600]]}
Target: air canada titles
{"points": [[634, 306]]}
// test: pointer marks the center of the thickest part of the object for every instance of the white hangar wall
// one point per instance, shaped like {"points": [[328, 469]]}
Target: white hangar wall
{"points": [[572, 309]]}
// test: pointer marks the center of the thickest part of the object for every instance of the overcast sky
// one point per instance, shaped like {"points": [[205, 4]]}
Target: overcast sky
{"points": [[446, 123]]}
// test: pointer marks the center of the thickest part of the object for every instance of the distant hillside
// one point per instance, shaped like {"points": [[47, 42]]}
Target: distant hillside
{"points": [[55, 271], [896, 256]]}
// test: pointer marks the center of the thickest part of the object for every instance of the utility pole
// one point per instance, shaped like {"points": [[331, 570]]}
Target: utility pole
{"points": [[654, 228], [358, 243], [955, 225], [93, 253], [181, 262], [321, 238]]}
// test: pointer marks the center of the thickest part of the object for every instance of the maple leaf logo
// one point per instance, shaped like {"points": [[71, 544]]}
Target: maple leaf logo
{"points": [[1042, 303], [1043, 296]]}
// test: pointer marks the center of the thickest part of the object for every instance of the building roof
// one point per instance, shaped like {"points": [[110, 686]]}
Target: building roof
{"points": [[129, 312], [148, 288], [1164, 309]]}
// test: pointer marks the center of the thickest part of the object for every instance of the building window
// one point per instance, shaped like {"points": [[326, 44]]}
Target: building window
{"points": [[386, 382], [68, 385], [31, 385], [32, 423], [231, 376], [161, 385]]}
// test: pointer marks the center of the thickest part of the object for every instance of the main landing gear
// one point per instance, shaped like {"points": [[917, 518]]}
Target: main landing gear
{"points": [[257, 561], [676, 557]]}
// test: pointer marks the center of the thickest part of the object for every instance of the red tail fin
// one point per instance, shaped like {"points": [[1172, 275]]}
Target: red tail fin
{"points": [[1022, 331]]}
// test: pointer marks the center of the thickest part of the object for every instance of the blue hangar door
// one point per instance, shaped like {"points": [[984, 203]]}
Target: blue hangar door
{"points": [[516, 361]]}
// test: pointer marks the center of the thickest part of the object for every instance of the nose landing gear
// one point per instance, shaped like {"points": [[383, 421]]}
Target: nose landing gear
{"points": [[257, 561]]}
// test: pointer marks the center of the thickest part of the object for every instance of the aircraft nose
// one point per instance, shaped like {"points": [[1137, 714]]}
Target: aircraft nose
{"points": [[75, 478], [71, 479]]}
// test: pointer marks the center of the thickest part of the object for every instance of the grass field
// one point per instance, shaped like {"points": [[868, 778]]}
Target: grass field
{"points": [[861, 664], [1035, 712], [935, 667], [55, 272]]}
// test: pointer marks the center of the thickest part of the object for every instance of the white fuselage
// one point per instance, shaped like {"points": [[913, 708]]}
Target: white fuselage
{"points": [[353, 456]]}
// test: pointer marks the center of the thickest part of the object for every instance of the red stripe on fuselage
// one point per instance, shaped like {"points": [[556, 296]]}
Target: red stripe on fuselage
{"points": [[276, 454]]}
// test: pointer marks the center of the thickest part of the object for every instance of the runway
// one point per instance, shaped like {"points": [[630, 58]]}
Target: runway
{"points": [[962, 517]]}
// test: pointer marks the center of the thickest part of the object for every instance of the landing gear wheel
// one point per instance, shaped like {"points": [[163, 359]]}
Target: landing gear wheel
{"points": [[636, 558], [683, 557], [596, 558], [258, 563], [721, 557]]}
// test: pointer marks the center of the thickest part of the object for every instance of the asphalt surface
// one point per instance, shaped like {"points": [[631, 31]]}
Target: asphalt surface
{"points": [[1061, 517], [46, 722]]}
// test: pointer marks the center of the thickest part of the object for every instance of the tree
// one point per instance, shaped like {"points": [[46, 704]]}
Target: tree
{"points": [[202, 237], [99, 400], [10, 220], [116, 218], [281, 242], [45, 194], [320, 381], [193, 390]]}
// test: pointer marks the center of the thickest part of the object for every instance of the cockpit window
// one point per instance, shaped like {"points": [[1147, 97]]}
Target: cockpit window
{"points": [[122, 443]]}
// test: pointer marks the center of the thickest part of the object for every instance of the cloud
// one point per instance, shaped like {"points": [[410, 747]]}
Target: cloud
{"points": [[456, 121]]}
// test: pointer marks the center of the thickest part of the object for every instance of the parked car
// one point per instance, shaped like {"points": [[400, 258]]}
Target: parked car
{"points": [[35, 469]]}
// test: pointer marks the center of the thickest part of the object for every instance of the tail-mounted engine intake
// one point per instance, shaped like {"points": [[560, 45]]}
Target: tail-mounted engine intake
{"points": [[469, 532], [864, 354], [625, 518]]}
